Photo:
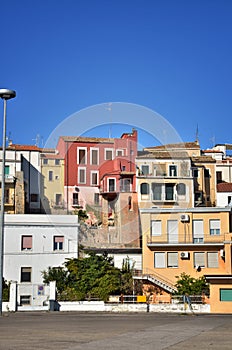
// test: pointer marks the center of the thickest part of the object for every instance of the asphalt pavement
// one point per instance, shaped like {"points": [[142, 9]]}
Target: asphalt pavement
{"points": [[72, 331]]}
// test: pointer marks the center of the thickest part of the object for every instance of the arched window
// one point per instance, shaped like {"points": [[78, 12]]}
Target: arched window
{"points": [[144, 188]]}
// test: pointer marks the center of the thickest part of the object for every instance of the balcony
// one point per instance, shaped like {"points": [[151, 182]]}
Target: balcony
{"points": [[183, 240], [8, 178]]}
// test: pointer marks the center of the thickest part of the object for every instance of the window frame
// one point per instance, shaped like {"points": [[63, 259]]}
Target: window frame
{"points": [[80, 169], [94, 149], [82, 160], [106, 150], [23, 244], [58, 243], [25, 276]]}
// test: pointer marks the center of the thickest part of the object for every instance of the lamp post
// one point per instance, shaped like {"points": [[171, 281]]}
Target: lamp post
{"points": [[5, 94]]}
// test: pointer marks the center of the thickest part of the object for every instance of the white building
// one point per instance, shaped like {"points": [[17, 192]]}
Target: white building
{"points": [[32, 243]]}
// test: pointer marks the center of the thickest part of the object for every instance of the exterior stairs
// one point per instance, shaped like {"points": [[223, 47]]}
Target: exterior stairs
{"points": [[156, 279]]}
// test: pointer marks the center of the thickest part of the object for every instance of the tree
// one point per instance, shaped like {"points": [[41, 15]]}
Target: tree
{"points": [[192, 286], [84, 278], [5, 290]]}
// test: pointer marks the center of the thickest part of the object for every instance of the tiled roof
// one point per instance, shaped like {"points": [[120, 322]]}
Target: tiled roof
{"points": [[87, 139], [181, 145], [203, 159], [24, 148], [162, 155], [224, 187]]}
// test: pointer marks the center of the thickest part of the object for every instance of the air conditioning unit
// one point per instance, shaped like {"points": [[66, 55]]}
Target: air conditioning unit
{"points": [[184, 255], [184, 217], [222, 253]]}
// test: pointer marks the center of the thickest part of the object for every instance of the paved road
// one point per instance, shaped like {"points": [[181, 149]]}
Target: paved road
{"points": [[135, 331]]}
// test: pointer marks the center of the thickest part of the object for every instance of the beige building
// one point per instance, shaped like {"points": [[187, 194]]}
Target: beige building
{"points": [[52, 169]]}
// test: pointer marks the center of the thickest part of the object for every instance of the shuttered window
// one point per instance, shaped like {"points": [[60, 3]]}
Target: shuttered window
{"points": [[156, 228], [214, 227], [26, 243], [58, 242], [159, 260], [199, 259], [172, 259], [198, 231], [212, 259]]}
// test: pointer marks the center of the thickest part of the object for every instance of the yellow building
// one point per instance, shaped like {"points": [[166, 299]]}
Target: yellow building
{"points": [[52, 169]]}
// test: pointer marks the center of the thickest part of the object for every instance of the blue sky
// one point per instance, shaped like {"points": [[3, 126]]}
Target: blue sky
{"points": [[173, 57]]}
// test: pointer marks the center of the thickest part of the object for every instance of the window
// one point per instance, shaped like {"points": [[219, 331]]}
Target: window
{"points": [[94, 156], [169, 192], [111, 185], [159, 260], [75, 198], [26, 243], [212, 259], [81, 155], [96, 198], [82, 175], [195, 173], [172, 259], [58, 199], [214, 227], [145, 169], [156, 192], [156, 227], [57, 177], [34, 197], [206, 173], [94, 178], [58, 242], [219, 176], [108, 154], [57, 161], [7, 170], [25, 274], [7, 196], [125, 185], [144, 188], [129, 203], [50, 175], [181, 189], [25, 300], [172, 231], [172, 170], [45, 161], [119, 153], [199, 259], [225, 294], [198, 231], [229, 199]]}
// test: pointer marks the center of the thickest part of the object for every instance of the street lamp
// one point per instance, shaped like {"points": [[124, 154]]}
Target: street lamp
{"points": [[5, 94]]}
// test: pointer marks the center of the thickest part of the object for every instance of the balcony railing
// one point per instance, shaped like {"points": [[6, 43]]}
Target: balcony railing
{"points": [[185, 239]]}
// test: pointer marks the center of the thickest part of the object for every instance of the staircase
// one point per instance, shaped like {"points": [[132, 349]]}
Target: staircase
{"points": [[156, 279]]}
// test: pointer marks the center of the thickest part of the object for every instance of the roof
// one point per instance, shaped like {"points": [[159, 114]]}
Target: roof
{"points": [[162, 155], [87, 139], [224, 187], [181, 145], [24, 148], [203, 159]]}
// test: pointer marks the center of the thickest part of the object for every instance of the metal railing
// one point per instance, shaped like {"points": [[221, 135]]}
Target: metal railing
{"points": [[146, 273]]}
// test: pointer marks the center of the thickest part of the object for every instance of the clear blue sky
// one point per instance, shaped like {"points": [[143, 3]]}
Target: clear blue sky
{"points": [[171, 56]]}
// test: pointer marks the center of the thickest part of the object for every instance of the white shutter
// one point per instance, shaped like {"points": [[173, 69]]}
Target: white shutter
{"points": [[199, 259], [198, 229], [156, 228], [212, 258], [173, 259], [160, 260], [172, 228]]}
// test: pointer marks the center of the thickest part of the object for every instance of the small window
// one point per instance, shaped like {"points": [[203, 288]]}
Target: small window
{"points": [[214, 227], [58, 198], [156, 192], [129, 203], [7, 196], [50, 175], [94, 178], [225, 294], [81, 175], [58, 242], [199, 259], [7, 170], [57, 161], [26, 243], [172, 170], [172, 259], [57, 177], [119, 152], [25, 274], [108, 154], [111, 185], [25, 299], [212, 259], [82, 155], [195, 173], [45, 161], [206, 173], [169, 192], [75, 198], [159, 260], [145, 169], [96, 198], [144, 188], [34, 197], [94, 157], [156, 227], [181, 189]]}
